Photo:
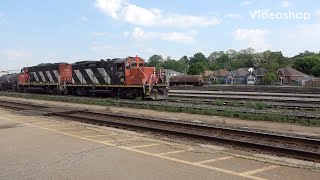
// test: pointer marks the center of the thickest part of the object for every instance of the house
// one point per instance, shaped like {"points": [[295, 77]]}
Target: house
{"points": [[169, 73], [220, 76], [246, 76], [259, 73], [239, 76], [290, 76]]}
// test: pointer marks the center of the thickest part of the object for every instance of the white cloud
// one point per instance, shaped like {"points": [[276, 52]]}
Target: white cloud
{"points": [[139, 34], [139, 16], [318, 13], [110, 7], [126, 34], [12, 54], [247, 2], [84, 18], [100, 34], [233, 16], [133, 14], [2, 18], [255, 38], [177, 37], [150, 50], [285, 4]]}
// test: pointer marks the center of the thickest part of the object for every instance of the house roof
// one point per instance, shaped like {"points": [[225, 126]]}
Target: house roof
{"points": [[289, 71], [241, 72], [208, 73], [221, 73]]}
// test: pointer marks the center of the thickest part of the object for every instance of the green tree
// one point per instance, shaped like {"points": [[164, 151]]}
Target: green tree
{"points": [[214, 66], [196, 68], [155, 61], [232, 54], [223, 60], [184, 60], [198, 57], [305, 64], [214, 56], [172, 64], [316, 70], [269, 78]]}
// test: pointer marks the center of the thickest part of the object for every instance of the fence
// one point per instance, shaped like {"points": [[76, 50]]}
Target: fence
{"points": [[312, 83]]}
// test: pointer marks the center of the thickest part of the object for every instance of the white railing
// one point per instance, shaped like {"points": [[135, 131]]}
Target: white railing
{"points": [[144, 80]]}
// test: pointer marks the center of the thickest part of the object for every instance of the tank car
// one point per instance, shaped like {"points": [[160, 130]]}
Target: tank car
{"points": [[8, 82], [195, 80]]}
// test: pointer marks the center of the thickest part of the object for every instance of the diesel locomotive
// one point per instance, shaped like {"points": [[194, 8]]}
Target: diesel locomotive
{"points": [[120, 77]]}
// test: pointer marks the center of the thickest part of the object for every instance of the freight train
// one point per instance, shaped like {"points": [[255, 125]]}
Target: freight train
{"points": [[120, 77]]}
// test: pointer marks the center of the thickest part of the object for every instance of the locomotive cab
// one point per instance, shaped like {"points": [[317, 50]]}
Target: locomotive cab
{"points": [[137, 73]]}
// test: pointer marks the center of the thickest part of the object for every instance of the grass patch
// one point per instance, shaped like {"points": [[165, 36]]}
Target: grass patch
{"points": [[258, 105], [218, 102], [234, 103]]}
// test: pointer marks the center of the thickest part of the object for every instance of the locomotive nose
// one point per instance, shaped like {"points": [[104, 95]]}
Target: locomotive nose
{"points": [[150, 73]]}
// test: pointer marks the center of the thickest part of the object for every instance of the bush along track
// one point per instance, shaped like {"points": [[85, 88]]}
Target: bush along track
{"points": [[243, 113]]}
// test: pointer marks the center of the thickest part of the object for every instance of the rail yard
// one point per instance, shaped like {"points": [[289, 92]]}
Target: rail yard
{"points": [[289, 108], [150, 90], [48, 115]]}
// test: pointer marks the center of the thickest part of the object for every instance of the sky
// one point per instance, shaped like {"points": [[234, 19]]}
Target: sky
{"points": [[42, 31]]}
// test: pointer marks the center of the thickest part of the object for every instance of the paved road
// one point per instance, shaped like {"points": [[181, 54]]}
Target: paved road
{"points": [[43, 148]]}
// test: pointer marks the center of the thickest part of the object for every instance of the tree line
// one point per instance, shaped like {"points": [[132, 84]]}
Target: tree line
{"points": [[306, 62]]}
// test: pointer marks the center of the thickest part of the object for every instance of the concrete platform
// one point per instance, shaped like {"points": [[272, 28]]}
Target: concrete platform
{"points": [[37, 147]]}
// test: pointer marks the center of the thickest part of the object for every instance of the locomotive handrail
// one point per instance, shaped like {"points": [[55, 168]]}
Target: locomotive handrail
{"points": [[144, 75], [144, 80], [151, 77]]}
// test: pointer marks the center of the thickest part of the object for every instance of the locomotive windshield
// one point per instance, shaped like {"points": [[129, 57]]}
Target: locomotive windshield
{"points": [[133, 63]]}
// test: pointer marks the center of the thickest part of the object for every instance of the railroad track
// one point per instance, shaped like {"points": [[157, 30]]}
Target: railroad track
{"points": [[251, 88], [20, 106], [295, 146], [247, 93], [267, 97], [277, 105]]}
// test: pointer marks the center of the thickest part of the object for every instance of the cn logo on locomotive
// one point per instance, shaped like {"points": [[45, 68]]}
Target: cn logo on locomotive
{"points": [[119, 74]]}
